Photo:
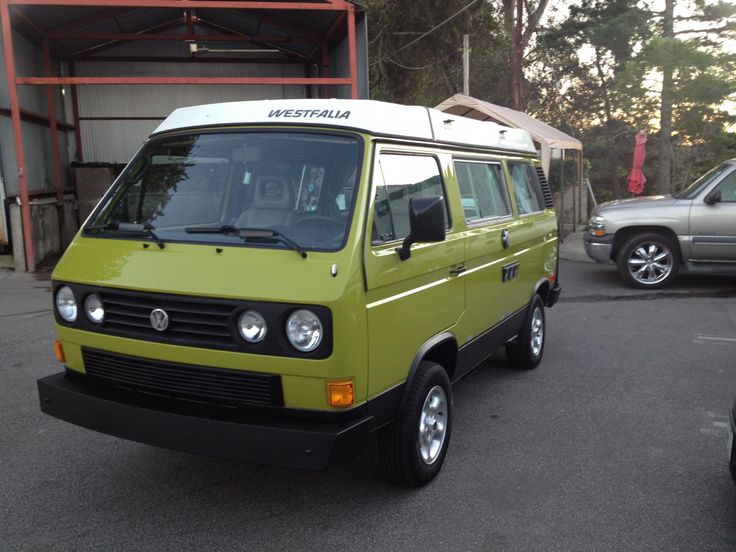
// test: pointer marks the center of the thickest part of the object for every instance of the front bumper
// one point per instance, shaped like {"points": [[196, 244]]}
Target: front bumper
{"points": [[598, 248], [300, 440]]}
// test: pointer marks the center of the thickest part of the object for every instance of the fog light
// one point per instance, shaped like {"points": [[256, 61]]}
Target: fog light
{"points": [[93, 309], [341, 393], [59, 351]]}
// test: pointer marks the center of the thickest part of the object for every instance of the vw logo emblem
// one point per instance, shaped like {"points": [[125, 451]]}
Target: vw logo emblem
{"points": [[159, 319]]}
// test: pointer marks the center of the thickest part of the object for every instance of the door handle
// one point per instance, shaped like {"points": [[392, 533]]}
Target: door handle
{"points": [[505, 238], [457, 271]]}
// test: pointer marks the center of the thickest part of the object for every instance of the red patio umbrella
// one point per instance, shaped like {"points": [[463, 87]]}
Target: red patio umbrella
{"points": [[636, 177]]}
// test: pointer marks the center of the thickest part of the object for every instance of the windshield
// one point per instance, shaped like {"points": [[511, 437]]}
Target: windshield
{"points": [[694, 189], [204, 187]]}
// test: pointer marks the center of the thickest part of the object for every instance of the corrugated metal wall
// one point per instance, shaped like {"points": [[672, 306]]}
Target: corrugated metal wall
{"points": [[117, 141], [36, 138]]}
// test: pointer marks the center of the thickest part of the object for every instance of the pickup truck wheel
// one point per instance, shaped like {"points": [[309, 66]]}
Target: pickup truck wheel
{"points": [[526, 350], [648, 261], [412, 448]]}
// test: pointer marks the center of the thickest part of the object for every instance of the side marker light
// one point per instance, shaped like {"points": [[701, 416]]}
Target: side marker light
{"points": [[59, 351], [340, 393]]}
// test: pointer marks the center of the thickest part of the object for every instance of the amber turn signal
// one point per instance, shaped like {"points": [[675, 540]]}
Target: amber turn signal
{"points": [[340, 393], [59, 351], [599, 232]]}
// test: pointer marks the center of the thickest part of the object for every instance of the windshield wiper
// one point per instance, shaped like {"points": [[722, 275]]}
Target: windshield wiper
{"points": [[145, 228], [129, 227], [246, 233]]}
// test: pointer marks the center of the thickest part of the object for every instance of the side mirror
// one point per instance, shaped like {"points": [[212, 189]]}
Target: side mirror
{"points": [[426, 223], [714, 196]]}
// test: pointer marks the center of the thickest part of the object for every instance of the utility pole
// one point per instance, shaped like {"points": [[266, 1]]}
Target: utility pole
{"points": [[466, 65]]}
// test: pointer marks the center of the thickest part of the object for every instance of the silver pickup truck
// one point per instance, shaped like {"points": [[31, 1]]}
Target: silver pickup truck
{"points": [[651, 238]]}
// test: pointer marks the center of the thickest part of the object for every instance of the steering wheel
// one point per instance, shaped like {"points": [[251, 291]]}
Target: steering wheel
{"points": [[310, 220]]}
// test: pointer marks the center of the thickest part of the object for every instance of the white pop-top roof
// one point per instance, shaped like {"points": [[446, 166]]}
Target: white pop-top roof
{"points": [[378, 118]]}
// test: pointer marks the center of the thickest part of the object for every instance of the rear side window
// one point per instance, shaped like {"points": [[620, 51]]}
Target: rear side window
{"points": [[482, 189], [526, 190], [400, 178]]}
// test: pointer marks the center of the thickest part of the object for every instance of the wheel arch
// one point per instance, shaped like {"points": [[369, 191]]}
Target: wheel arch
{"points": [[440, 349], [625, 234]]}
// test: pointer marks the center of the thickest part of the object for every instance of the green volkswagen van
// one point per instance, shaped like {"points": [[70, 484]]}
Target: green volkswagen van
{"points": [[272, 281]]}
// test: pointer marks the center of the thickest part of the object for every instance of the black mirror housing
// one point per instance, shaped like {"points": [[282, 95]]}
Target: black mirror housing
{"points": [[426, 223], [714, 196]]}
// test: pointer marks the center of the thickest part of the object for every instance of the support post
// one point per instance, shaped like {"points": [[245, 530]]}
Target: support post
{"points": [[55, 155], [353, 53], [325, 70], [20, 158], [79, 154], [466, 64]]}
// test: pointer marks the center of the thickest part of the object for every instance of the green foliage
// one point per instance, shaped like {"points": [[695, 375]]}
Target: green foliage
{"points": [[594, 71]]}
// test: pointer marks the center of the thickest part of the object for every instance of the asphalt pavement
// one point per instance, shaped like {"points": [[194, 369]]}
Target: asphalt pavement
{"points": [[616, 442]]}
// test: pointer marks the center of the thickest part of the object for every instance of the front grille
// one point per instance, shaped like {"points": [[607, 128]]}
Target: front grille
{"points": [[184, 381], [549, 201], [195, 323]]}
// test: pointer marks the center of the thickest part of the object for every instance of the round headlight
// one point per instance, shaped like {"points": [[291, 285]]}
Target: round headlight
{"points": [[93, 309], [304, 330], [252, 326], [66, 304]]}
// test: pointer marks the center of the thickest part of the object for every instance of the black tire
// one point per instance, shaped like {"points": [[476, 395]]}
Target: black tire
{"points": [[648, 261], [526, 350], [408, 449]]}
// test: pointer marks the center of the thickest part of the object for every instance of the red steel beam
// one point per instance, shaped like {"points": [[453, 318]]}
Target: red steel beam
{"points": [[290, 53], [92, 18], [79, 154], [189, 59], [338, 23], [20, 156], [182, 80], [125, 37], [177, 22], [184, 4]]}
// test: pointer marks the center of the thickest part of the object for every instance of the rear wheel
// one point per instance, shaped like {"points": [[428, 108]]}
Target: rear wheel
{"points": [[526, 350], [648, 261], [413, 447]]}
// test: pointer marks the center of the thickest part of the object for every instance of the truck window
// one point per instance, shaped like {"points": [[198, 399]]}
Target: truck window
{"points": [[482, 189], [526, 190], [401, 178]]}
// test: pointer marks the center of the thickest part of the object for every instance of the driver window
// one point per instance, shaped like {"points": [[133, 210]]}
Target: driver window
{"points": [[401, 178]]}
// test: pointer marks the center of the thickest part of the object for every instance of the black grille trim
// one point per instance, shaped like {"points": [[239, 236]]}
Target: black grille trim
{"points": [[549, 200], [184, 381], [202, 322]]}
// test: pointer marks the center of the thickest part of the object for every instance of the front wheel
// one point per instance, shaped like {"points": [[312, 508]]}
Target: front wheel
{"points": [[648, 261], [412, 448], [526, 350]]}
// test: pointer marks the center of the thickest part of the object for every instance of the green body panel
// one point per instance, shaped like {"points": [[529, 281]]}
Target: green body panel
{"points": [[410, 302], [383, 309]]}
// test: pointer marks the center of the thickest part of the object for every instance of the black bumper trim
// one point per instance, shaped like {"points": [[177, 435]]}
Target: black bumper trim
{"points": [[553, 295], [194, 429]]}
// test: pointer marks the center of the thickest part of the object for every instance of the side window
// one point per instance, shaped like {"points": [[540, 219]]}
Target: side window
{"points": [[482, 189], [728, 188], [401, 178], [526, 191]]}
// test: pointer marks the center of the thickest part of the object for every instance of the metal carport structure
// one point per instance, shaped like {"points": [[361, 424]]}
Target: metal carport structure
{"points": [[560, 153], [317, 35]]}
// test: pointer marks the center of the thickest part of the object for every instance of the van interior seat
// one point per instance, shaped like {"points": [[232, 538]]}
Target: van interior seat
{"points": [[272, 203]]}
